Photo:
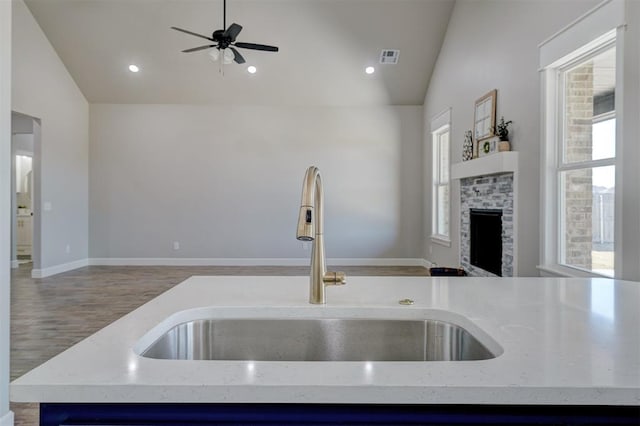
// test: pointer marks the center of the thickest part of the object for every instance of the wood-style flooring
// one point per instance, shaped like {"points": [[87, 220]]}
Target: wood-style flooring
{"points": [[51, 314]]}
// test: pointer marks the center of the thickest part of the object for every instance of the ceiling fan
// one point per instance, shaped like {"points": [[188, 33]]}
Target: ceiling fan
{"points": [[226, 39]]}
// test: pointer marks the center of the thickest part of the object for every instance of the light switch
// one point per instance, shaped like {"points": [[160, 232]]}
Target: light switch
{"points": [[47, 206]]}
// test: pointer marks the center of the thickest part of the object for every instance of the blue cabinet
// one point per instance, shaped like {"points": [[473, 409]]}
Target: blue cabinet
{"points": [[328, 414]]}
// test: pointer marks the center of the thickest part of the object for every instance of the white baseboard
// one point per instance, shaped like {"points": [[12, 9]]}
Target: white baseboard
{"points": [[427, 263], [182, 261], [7, 419], [252, 261], [14, 264], [58, 269], [384, 261]]}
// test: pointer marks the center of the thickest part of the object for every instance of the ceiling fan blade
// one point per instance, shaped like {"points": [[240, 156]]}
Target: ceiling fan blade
{"points": [[192, 33], [195, 49], [237, 57], [233, 31], [255, 46]]}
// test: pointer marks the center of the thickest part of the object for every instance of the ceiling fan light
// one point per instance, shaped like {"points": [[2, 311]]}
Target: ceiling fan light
{"points": [[227, 56], [214, 54]]}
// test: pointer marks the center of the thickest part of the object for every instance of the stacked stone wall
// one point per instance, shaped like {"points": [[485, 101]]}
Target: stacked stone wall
{"points": [[489, 193]]}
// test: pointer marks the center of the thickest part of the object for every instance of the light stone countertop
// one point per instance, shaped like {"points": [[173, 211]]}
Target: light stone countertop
{"points": [[561, 341]]}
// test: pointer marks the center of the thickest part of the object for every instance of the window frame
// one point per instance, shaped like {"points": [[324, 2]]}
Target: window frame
{"points": [[440, 125], [553, 163], [562, 165]]}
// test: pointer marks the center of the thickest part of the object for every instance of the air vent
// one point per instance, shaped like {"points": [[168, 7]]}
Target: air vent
{"points": [[389, 56]]}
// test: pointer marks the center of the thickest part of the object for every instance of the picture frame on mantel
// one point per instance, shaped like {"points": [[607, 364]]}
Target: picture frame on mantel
{"points": [[488, 146], [484, 118]]}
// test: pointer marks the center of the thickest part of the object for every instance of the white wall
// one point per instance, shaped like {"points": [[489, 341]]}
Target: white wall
{"points": [[43, 88], [6, 417], [494, 45], [225, 181]]}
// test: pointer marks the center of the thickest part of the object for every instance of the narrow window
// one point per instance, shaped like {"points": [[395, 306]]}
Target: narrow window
{"points": [[440, 210]]}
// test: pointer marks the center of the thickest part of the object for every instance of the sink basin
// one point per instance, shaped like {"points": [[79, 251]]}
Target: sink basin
{"points": [[318, 340]]}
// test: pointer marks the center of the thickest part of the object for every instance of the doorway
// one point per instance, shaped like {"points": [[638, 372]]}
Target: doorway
{"points": [[25, 143]]}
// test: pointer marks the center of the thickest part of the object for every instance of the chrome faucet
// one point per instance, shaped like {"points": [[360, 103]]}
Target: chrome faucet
{"points": [[310, 223]]}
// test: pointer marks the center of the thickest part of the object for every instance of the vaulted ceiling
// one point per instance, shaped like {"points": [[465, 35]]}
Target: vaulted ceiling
{"points": [[325, 46]]}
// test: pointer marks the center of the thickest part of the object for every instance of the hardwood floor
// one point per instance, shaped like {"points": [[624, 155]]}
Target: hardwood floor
{"points": [[51, 314]]}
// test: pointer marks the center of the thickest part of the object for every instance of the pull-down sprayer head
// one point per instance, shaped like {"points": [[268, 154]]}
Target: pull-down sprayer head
{"points": [[305, 224]]}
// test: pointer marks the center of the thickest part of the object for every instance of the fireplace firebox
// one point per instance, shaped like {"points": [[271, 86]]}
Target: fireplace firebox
{"points": [[486, 240]]}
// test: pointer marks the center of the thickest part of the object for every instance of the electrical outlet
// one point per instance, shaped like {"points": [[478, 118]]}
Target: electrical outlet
{"points": [[430, 249], [47, 206], [68, 249], [176, 245]]}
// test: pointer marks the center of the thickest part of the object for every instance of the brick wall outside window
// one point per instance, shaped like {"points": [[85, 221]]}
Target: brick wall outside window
{"points": [[578, 195]]}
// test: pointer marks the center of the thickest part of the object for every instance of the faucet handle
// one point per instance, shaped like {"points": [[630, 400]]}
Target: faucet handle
{"points": [[334, 278]]}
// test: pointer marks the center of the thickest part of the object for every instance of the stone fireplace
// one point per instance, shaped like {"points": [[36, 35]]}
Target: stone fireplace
{"points": [[488, 200], [488, 206]]}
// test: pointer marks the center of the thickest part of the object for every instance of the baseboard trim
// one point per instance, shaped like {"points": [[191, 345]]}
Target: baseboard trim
{"points": [[427, 263], [14, 264], [58, 269], [175, 261], [384, 261], [130, 261], [7, 419]]}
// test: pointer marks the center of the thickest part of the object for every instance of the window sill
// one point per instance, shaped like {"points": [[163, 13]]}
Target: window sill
{"points": [[441, 240], [567, 272]]}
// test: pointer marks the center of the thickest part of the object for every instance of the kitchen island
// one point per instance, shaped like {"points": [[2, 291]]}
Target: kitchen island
{"points": [[561, 346]]}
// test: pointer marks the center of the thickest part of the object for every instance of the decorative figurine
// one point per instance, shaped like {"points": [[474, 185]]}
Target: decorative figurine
{"points": [[467, 146]]}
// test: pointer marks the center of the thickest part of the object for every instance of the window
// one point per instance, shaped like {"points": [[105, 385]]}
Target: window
{"points": [[605, 170], [586, 166], [440, 133], [580, 109]]}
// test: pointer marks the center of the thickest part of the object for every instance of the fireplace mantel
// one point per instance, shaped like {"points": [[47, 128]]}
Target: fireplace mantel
{"points": [[501, 162]]}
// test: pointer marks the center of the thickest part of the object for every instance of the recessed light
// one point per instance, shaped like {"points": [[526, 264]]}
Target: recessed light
{"points": [[133, 68], [369, 70], [252, 69]]}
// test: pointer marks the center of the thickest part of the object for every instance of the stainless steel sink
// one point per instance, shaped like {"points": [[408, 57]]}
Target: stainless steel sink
{"points": [[318, 340]]}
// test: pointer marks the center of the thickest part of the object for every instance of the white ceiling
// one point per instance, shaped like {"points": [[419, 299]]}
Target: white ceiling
{"points": [[324, 47]]}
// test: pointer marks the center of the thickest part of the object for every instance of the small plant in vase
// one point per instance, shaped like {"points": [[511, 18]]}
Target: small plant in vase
{"points": [[502, 131]]}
